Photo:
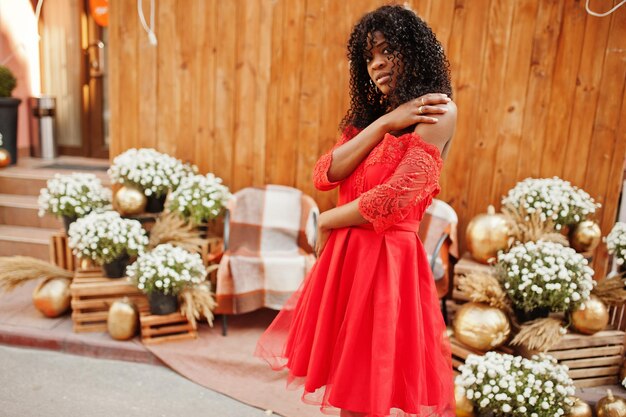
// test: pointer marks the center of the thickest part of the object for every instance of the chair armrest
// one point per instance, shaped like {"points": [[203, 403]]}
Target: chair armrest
{"points": [[438, 247], [226, 230]]}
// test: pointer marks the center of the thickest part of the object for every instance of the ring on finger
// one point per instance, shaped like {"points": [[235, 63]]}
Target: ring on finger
{"points": [[420, 109], [422, 101]]}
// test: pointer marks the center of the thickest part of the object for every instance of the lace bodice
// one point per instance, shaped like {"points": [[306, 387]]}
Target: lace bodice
{"points": [[398, 174]]}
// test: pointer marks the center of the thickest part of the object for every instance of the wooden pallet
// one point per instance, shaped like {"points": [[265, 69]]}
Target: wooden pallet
{"points": [[60, 253], [167, 328], [592, 360], [92, 295]]}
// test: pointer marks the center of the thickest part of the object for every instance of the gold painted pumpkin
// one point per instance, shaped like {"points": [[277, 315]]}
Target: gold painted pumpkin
{"points": [[52, 296], [130, 200], [580, 409], [611, 406], [464, 407], [122, 321], [585, 236], [5, 158], [487, 234], [591, 317], [481, 327]]}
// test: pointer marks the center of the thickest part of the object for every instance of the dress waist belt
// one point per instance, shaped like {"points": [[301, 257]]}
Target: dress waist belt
{"points": [[405, 226]]}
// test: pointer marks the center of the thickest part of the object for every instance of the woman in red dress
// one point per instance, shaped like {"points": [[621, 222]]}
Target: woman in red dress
{"points": [[364, 334]]}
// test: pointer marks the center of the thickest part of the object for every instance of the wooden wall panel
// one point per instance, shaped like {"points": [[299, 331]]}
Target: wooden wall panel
{"points": [[253, 90]]}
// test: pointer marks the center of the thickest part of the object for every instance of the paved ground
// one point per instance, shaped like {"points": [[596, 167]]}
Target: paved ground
{"points": [[37, 383]]}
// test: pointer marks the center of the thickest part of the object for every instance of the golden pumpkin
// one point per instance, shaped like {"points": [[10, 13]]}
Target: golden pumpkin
{"points": [[487, 234], [52, 296], [591, 317], [580, 409], [129, 200], [611, 406], [585, 236], [122, 321], [481, 327], [464, 407], [5, 158]]}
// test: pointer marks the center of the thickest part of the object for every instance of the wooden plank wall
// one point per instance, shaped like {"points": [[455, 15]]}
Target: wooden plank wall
{"points": [[253, 90]]}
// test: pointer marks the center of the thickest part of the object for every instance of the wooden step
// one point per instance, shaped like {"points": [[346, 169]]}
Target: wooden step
{"points": [[23, 210], [30, 175], [25, 241]]}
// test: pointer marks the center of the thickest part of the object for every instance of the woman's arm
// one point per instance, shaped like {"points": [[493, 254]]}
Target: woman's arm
{"points": [[349, 214], [348, 156]]}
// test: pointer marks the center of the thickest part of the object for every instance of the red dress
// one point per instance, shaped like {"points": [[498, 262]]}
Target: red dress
{"points": [[365, 332]]}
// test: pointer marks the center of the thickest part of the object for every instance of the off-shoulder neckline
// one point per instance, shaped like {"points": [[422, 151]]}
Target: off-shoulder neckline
{"points": [[428, 147]]}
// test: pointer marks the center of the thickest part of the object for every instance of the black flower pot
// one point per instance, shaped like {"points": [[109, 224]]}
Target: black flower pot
{"points": [[67, 220], [538, 313], [117, 267], [8, 125], [155, 204], [162, 304]]}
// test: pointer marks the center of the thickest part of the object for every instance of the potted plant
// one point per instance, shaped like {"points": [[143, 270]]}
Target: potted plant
{"points": [[616, 245], [152, 172], [107, 239], [163, 273], [502, 385], [8, 112], [544, 277], [199, 198], [552, 198], [73, 196]]}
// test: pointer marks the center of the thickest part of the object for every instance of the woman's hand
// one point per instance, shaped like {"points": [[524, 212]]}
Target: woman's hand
{"points": [[416, 111]]}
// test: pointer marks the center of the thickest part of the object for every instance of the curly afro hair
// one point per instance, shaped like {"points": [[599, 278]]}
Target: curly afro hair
{"points": [[426, 68]]}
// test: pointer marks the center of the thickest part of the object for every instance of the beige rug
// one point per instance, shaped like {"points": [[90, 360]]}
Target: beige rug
{"points": [[226, 364]]}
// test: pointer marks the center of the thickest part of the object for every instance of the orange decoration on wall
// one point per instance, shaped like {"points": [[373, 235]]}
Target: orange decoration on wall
{"points": [[100, 11]]}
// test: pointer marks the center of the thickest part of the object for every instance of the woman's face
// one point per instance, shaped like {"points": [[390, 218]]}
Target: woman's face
{"points": [[383, 63]]}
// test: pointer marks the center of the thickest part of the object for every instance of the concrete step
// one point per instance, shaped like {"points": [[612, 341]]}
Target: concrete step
{"points": [[31, 174], [22, 210], [25, 241]]}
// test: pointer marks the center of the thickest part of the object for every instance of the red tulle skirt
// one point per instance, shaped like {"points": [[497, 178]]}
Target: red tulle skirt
{"points": [[365, 331]]}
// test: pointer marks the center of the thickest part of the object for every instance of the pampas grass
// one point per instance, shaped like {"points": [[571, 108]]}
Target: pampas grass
{"points": [[527, 227], [171, 228], [198, 302], [484, 288], [17, 270], [611, 290], [539, 335]]}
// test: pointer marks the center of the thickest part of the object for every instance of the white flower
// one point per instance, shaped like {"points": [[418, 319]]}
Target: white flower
{"points": [[104, 236], [616, 242], [167, 268], [553, 197], [200, 198], [560, 279], [73, 195], [151, 171], [528, 382]]}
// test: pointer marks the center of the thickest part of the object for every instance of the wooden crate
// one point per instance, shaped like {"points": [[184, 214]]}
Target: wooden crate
{"points": [[92, 295], [464, 266], [167, 328], [592, 360], [460, 352], [60, 253]]}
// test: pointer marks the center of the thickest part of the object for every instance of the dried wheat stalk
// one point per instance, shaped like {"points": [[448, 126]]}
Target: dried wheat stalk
{"points": [[539, 335], [17, 270], [197, 302], [611, 290], [484, 288], [171, 228], [527, 227]]}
